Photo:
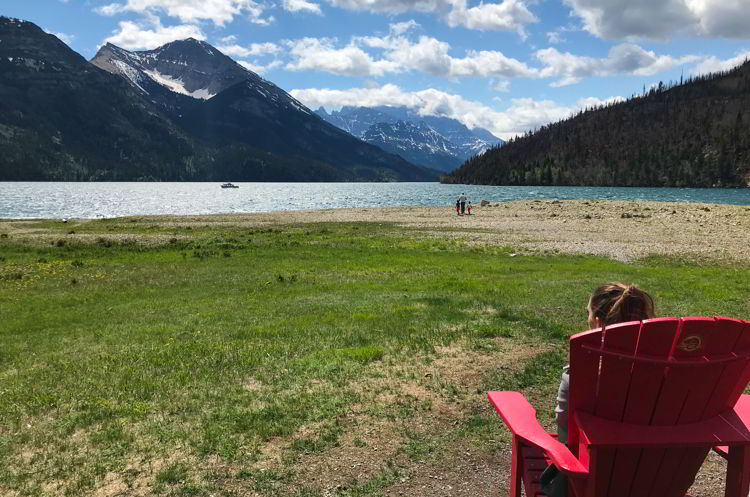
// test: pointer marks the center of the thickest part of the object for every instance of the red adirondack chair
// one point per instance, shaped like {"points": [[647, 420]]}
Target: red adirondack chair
{"points": [[648, 401]]}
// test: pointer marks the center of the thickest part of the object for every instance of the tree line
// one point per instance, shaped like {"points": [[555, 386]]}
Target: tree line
{"points": [[691, 133]]}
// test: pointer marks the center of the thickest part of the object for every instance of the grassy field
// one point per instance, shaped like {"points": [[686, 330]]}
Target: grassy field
{"points": [[310, 360]]}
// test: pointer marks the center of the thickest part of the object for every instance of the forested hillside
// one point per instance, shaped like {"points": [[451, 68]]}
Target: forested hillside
{"points": [[694, 133]]}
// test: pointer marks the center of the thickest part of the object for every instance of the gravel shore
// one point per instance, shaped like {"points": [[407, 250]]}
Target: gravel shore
{"points": [[615, 229]]}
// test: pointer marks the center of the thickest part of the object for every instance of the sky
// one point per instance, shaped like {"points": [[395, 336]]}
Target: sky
{"points": [[508, 66]]}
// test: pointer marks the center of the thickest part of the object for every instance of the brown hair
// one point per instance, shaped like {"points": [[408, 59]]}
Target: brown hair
{"points": [[618, 303]]}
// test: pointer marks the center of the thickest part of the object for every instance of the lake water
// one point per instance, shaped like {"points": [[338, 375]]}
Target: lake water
{"points": [[94, 200]]}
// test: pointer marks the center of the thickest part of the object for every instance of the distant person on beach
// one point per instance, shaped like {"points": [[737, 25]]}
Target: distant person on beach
{"points": [[458, 206], [468, 207], [610, 304], [462, 200]]}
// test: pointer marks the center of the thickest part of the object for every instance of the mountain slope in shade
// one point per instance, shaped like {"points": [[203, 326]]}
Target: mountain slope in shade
{"points": [[694, 134], [464, 143], [252, 114], [237, 105], [63, 118]]}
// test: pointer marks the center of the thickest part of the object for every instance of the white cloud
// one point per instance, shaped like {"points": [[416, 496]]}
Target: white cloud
{"points": [[110, 9], [399, 28], [192, 11], [622, 59], [502, 85], [400, 54], [320, 54], [522, 115], [65, 38], [253, 50], [392, 53], [228, 39], [555, 37], [506, 15], [491, 63], [259, 68], [663, 19], [134, 36], [509, 15], [301, 5], [590, 102], [394, 6], [712, 64]]}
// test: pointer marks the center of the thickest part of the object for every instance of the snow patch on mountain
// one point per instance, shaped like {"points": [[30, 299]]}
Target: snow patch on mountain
{"points": [[178, 86], [131, 73]]}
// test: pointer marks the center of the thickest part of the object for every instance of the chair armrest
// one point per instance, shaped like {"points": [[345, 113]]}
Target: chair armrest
{"points": [[520, 418], [727, 429]]}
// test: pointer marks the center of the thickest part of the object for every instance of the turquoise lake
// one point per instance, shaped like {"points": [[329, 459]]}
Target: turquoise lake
{"points": [[96, 200]]}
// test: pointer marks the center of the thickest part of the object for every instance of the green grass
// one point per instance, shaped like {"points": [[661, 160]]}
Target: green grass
{"points": [[206, 342]]}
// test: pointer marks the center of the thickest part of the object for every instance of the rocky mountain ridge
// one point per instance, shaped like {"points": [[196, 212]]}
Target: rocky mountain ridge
{"points": [[458, 142], [417, 143], [183, 111]]}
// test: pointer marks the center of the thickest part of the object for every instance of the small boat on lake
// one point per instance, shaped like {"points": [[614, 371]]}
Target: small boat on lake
{"points": [[229, 185]]}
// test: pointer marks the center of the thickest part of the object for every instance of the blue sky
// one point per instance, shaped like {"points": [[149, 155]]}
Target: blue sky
{"points": [[506, 65]]}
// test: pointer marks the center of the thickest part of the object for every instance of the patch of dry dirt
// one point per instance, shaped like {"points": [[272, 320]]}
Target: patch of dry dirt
{"points": [[372, 444], [710, 479]]}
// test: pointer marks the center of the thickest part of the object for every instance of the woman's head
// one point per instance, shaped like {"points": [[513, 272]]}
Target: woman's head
{"points": [[618, 303]]}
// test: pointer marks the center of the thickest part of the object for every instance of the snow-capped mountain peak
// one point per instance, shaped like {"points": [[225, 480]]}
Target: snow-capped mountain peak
{"points": [[190, 67], [438, 142]]}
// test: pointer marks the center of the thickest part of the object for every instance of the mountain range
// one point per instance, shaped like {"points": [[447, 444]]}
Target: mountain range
{"points": [[694, 133], [438, 142], [183, 111]]}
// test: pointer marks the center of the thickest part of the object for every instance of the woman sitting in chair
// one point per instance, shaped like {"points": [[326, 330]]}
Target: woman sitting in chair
{"points": [[609, 304]]}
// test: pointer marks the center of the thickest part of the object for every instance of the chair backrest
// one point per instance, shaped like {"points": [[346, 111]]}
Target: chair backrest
{"points": [[663, 372]]}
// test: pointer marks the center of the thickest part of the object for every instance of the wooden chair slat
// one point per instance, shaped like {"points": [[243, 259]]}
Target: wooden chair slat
{"points": [[698, 337], [614, 375], [614, 379], [728, 333], [743, 372], [637, 467], [692, 460], [583, 382], [655, 340], [605, 463], [534, 463], [625, 467], [647, 472], [670, 406], [675, 389], [702, 337]]}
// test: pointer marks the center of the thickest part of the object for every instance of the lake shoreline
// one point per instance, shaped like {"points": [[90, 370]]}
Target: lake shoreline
{"points": [[107, 200], [621, 230]]}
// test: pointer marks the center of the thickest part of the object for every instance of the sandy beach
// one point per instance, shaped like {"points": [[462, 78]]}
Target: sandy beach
{"points": [[614, 229]]}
